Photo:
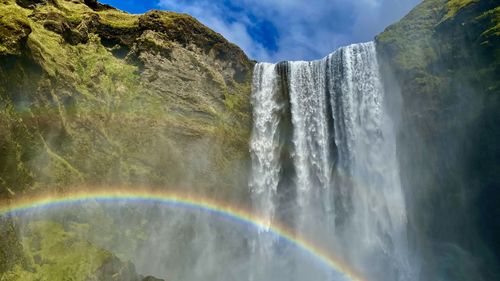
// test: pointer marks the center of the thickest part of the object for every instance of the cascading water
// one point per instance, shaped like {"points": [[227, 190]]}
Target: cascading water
{"points": [[336, 181], [265, 144]]}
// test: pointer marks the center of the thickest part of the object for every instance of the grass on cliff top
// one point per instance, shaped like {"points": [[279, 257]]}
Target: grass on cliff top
{"points": [[454, 6], [76, 12], [56, 254], [118, 19], [411, 38]]}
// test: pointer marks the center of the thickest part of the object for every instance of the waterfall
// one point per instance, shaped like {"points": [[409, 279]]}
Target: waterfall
{"points": [[324, 159], [264, 143]]}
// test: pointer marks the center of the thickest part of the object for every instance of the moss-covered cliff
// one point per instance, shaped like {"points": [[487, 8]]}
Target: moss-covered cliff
{"points": [[90, 95], [93, 96], [445, 58]]}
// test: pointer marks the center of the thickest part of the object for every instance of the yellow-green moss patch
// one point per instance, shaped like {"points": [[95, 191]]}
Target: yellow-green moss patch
{"points": [[56, 254], [454, 6]]}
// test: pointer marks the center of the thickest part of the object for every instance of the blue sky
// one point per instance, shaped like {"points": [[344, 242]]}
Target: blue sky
{"points": [[275, 30]]}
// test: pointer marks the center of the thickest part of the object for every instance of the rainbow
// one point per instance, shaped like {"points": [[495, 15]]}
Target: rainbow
{"points": [[18, 206]]}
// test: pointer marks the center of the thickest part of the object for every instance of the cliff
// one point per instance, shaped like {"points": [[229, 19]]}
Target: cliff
{"points": [[90, 95], [93, 96], [444, 59]]}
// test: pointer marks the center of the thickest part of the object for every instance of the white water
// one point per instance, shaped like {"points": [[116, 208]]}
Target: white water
{"points": [[347, 190], [265, 144]]}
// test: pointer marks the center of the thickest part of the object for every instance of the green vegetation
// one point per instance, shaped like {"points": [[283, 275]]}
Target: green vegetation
{"points": [[53, 251], [454, 6], [417, 41], [14, 27], [92, 96], [11, 251], [55, 254], [418, 46], [102, 102]]}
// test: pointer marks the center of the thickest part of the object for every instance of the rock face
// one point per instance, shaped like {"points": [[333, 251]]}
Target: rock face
{"points": [[445, 61], [90, 95]]}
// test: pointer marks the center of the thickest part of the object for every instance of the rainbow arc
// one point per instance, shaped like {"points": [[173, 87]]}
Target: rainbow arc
{"points": [[178, 200]]}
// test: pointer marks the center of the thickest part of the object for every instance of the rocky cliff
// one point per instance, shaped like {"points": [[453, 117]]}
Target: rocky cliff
{"points": [[90, 95], [444, 58], [93, 96]]}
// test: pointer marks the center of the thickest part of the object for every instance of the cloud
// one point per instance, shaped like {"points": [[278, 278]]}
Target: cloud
{"points": [[275, 30], [233, 25]]}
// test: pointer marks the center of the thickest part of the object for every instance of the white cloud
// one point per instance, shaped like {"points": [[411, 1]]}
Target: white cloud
{"points": [[306, 29], [214, 15]]}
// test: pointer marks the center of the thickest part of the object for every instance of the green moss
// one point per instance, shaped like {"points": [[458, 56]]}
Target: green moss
{"points": [[16, 145], [56, 254], [237, 133], [97, 69], [454, 6], [168, 19], [14, 27], [72, 9], [410, 42], [117, 19], [49, 51], [11, 253], [74, 112], [93, 117]]}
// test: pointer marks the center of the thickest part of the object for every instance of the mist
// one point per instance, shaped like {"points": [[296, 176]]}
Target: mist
{"points": [[379, 208], [175, 243], [378, 162]]}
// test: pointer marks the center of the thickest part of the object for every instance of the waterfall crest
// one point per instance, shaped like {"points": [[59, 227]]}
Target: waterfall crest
{"points": [[336, 180]]}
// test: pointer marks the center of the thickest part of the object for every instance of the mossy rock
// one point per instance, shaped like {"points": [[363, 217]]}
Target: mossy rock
{"points": [[108, 98], [14, 29], [445, 60], [93, 96], [52, 252]]}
